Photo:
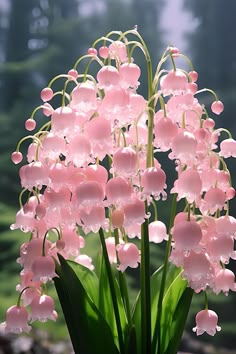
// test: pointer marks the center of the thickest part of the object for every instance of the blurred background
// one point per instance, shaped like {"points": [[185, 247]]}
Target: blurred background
{"points": [[41, 38]]}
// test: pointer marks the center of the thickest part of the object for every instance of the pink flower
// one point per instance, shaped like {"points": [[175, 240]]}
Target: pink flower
{"points": [[224, 281], [125, 162], [228, 148], [43, 268], [157, 232], [128, 255], [174, 83], [206, 321], [188, 185], [42, 309], [153, 181], [187, 235], [85, 260], [217, 107], [16, 320]]}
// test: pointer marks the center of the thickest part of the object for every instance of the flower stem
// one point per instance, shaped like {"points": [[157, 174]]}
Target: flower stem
{"points": [[124, 287], [157, 329], [113, 292], [145, 290]]}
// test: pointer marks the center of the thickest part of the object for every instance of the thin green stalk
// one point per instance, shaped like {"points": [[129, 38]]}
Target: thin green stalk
{"points": [[157, 331], [145, 290], [124, 287], [113, 292]]}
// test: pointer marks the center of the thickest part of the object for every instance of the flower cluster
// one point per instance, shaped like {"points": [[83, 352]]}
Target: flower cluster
{"points": [[94, 164]]}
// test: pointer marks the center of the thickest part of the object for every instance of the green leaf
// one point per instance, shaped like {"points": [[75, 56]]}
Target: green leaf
{"points": [[106, 304], [174, 309], [88, 279], [179, 321], [172, 306], [155, 286], [86, 324]]}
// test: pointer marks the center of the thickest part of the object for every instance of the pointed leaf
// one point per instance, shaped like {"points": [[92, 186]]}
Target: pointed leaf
{"points": [[170, 303], [179, 320], [106, 304], [85, 322], [88, 279]]}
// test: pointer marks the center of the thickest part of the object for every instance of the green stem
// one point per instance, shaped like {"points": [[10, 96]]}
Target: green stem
{"points": [[157, 331], [145, 290], [124, 287], [113, 292]]}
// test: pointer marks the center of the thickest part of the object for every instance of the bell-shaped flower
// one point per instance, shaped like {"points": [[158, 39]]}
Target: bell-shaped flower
{"points": [[184, 146], [88, 194], [43, 268], [226, 225], [134, 212], [174, 83], [221, 248], [58, 174], [96, 173], [25, 221], [228, 148], [84, 97], [214, 199], [198, 270], [206, 321], [53, 146], [118, 191], [224, 281], [129, 75], [108, 76], [85, 261], [92, 218], [98, 130], [165, 130], [153, 182], [16, 320], [63, 121], [157, 231], [35, 174], [125, 162], [79, 150], [42, 309], [128, 255], [187, 235], [188, 185], [118, 51], [114, 106], [72, 242]]}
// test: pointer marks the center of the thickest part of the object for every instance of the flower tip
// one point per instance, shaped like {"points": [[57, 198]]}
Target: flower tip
{"points": [[16, 157], [46, 94], [217, 107]]}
